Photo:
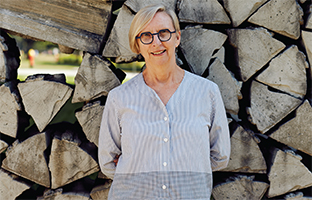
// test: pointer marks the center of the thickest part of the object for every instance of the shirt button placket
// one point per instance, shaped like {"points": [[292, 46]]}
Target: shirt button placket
{"points": [[166, 153]]}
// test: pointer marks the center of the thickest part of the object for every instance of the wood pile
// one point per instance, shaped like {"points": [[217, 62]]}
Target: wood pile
{"points": [[259, 52]]}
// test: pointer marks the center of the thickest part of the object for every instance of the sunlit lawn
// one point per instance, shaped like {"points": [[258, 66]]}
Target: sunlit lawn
{"points": [[45, 61], [68, 62]]}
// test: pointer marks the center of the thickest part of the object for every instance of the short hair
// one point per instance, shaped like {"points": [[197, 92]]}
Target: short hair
{"points": [[143, 18]]}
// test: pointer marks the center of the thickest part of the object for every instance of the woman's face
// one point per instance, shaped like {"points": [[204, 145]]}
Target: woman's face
{"points": [[160, 53]]}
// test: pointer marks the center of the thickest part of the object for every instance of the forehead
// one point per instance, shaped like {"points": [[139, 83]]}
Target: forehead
{"points": [[161, 20]]}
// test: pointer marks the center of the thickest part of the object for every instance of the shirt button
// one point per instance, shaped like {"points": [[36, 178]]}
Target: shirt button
{"points": [[165, 118], [164, 187], [165, 164], [166, 140]]}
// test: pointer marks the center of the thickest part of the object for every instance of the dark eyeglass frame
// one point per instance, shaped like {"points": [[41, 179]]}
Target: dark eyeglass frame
{"points": [[139, 37]]}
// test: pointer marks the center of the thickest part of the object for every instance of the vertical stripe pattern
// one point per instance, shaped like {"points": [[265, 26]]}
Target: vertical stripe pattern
{"points": [[167, 151]]}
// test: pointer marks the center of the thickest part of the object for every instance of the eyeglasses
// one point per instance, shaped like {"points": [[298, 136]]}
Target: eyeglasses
{"points": [[164, 35]]}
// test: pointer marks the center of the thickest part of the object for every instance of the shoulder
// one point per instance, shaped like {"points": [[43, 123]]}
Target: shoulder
{"points": [[126, 87], [201, 83]]}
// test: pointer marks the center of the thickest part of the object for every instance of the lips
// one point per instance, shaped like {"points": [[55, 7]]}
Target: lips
{"points": [[158, 52]]}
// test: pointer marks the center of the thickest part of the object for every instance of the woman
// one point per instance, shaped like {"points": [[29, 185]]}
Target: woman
{"points": [[168, 125]]}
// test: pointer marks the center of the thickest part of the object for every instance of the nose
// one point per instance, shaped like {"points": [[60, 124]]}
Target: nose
{"points": [[156, 40]]}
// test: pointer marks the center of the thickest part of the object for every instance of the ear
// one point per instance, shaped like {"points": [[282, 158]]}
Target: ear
{"points": [[178, 34]]}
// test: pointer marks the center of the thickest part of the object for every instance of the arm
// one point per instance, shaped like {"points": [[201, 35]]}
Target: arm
{"points": [[220, 148], [109, 138]]}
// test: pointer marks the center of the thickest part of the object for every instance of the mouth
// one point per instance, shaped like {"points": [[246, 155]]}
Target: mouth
{"points": [[158, 52]]}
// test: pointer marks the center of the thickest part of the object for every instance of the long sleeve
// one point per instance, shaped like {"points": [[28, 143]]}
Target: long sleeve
{"points": [[219, 135], [109, 138]]}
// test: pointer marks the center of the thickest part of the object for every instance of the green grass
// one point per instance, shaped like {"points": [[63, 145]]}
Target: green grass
{"points": [[68, 61], [45, 61]]}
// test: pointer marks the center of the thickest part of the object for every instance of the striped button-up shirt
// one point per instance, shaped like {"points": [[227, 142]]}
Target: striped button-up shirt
{"points": [[167, 151]]}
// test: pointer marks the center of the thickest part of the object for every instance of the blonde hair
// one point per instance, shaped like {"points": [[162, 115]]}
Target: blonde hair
{"points": [[143, 18]]}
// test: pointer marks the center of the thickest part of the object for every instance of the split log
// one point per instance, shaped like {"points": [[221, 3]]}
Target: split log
{"points": [[64, 49], [296, 196], [10, 188], [136, 5], [117, 45], [59, 195], [309, 20], [43, 97], [94, 78], [245, 156], [297, 132], [9, 57], [27, 160], [76, 24], [280, 16], [198, 45], [307, 39], [220, 54], [90, 121], [3, 146], [287, 73], [242, 187], [239, 13], [255, 47], [100, 192], [267, 107], [202, 12], [228, 85], [68, 162], [288, 174], [10, 103]]}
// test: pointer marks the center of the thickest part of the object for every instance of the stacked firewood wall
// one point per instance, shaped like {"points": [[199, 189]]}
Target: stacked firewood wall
{"points": [[259, 52]]}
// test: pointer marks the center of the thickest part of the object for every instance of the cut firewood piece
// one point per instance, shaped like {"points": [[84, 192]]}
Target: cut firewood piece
{"points": [[90, 121], [64, 49], [297, 132], [117, 45], [242, 187], [296, 196], [239, 13], [280, 16], [43, 98], [198, 45], [10, 188], [10, 103], [245, 156], [75, 24], [3, 146], [307, 39], [288, 174], [68, 162], [202, 12], [100, 192], [94, 78], [9, 57], [309, 20], [255, 47], [136, 5], [287, 73], [228, 85], [59, 195], [268, 107], [27, 160], [220, 54]]}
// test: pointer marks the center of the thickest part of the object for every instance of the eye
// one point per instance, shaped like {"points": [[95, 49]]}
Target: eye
{"points": [[146, 34], [163, 32]]}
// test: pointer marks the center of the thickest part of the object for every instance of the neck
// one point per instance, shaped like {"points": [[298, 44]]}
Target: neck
{"points": [[163, 74]]}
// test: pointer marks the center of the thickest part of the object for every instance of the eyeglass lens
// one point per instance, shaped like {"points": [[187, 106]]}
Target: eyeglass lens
{"points": [[148, 37]]}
